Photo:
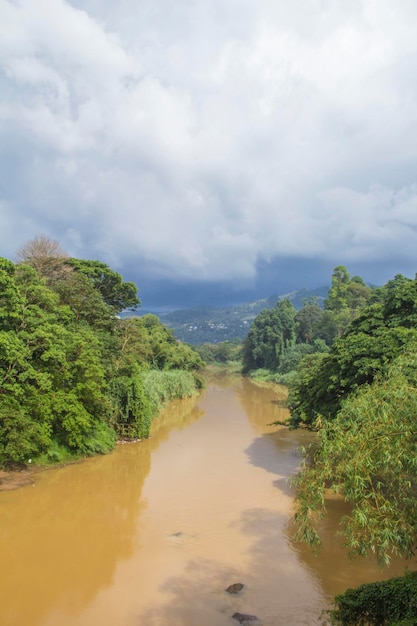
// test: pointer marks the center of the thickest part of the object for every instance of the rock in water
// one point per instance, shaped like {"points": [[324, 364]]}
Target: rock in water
{"points": [[235, 588], [243, 617]]}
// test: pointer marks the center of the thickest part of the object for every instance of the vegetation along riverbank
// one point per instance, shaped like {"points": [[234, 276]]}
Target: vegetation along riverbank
{"points": [[74, 376], [351, 368]]}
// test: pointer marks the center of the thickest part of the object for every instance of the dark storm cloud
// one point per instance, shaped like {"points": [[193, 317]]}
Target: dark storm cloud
{"points": [[240, 146]]}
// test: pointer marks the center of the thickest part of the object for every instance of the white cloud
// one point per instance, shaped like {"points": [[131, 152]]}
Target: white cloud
{"points": [[202, 138]]}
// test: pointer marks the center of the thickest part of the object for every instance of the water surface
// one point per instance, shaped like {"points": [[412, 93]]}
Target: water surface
{"points": [[153, 533]]}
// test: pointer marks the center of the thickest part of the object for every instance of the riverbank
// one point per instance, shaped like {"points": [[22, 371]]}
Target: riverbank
{"points": [[15, 479]]}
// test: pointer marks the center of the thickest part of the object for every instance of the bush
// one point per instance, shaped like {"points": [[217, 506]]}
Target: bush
{"points": [[132, 408], [20, 436], [100, 440], [391, 602]]}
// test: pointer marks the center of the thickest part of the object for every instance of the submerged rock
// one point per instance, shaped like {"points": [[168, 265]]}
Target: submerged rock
{"points": [[235, 588], [244, 617]]}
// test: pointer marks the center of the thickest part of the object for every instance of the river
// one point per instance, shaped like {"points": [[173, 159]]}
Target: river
{"points": [[152, 534]]}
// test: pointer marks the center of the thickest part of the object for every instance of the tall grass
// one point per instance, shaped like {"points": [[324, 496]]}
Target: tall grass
{"points": [[163, 386]]}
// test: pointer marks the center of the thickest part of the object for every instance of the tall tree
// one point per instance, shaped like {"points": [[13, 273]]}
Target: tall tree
{"points": [[337, 299], [116, 293], [308, 319], [346, 297], [44, 254], [272, 332]]}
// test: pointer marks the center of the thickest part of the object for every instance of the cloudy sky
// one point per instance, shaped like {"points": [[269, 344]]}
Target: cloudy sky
{"points": [[212, 150]]}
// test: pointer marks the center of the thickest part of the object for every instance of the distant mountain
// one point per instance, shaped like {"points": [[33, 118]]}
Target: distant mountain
{"points": [[215, 324]]}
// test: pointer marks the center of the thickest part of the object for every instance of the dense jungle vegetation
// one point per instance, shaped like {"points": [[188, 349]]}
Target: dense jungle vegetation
{"points": [[351, 369], [73, 376], [280, 338]]}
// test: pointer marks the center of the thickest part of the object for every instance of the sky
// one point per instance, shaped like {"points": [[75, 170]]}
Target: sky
{"points": [[212, 151]]}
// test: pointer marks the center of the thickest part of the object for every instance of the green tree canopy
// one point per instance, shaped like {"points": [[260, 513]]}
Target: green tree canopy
{"points": [[270, 335], [307, 320], [372, 340], [368, 453], [116, 293], [70, 370]]}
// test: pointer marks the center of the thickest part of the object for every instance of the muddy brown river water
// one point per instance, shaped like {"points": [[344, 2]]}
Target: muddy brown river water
{"points": [[152, 534]]}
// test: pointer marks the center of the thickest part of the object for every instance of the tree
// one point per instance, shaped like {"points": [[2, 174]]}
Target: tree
{"points": [[48, 258], [346, 297], [84, 300], [70, 370], [52, 382], [44, 254], [164, 351], [337, 299], [271, 334], [359, 294], [368, 454], [327, 327], [116, 293], [10, 298], [291, 359], [308, 319], [20, 436], [371, 341]]}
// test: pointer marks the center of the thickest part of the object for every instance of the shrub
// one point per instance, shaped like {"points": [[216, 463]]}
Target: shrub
{"points": [[391, 602]]}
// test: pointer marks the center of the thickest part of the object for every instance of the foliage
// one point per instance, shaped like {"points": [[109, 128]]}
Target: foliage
{"points": [[303, 389], [70, 370], [308, 319], [147, 341], [371, 341], [346, 297], [368, 453], [220, 353], [327, 327], [20, 436], [163, 386], [271, 334], [279, 338], [86, 303], [132, 407], [363, 397], [213, 325], [116, 293], [391, 602], [293, 356]]}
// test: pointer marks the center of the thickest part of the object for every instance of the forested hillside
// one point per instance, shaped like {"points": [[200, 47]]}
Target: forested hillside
{"points": [[73, 376], [214, 325]]}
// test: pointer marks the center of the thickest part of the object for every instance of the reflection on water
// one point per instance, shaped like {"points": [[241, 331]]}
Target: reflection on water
{"points": [[334, 570], [60, 538], [154, 533], [261, 401]]}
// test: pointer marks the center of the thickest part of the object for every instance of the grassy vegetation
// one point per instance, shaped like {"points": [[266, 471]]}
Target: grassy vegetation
{"points": [[163, 386]]}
